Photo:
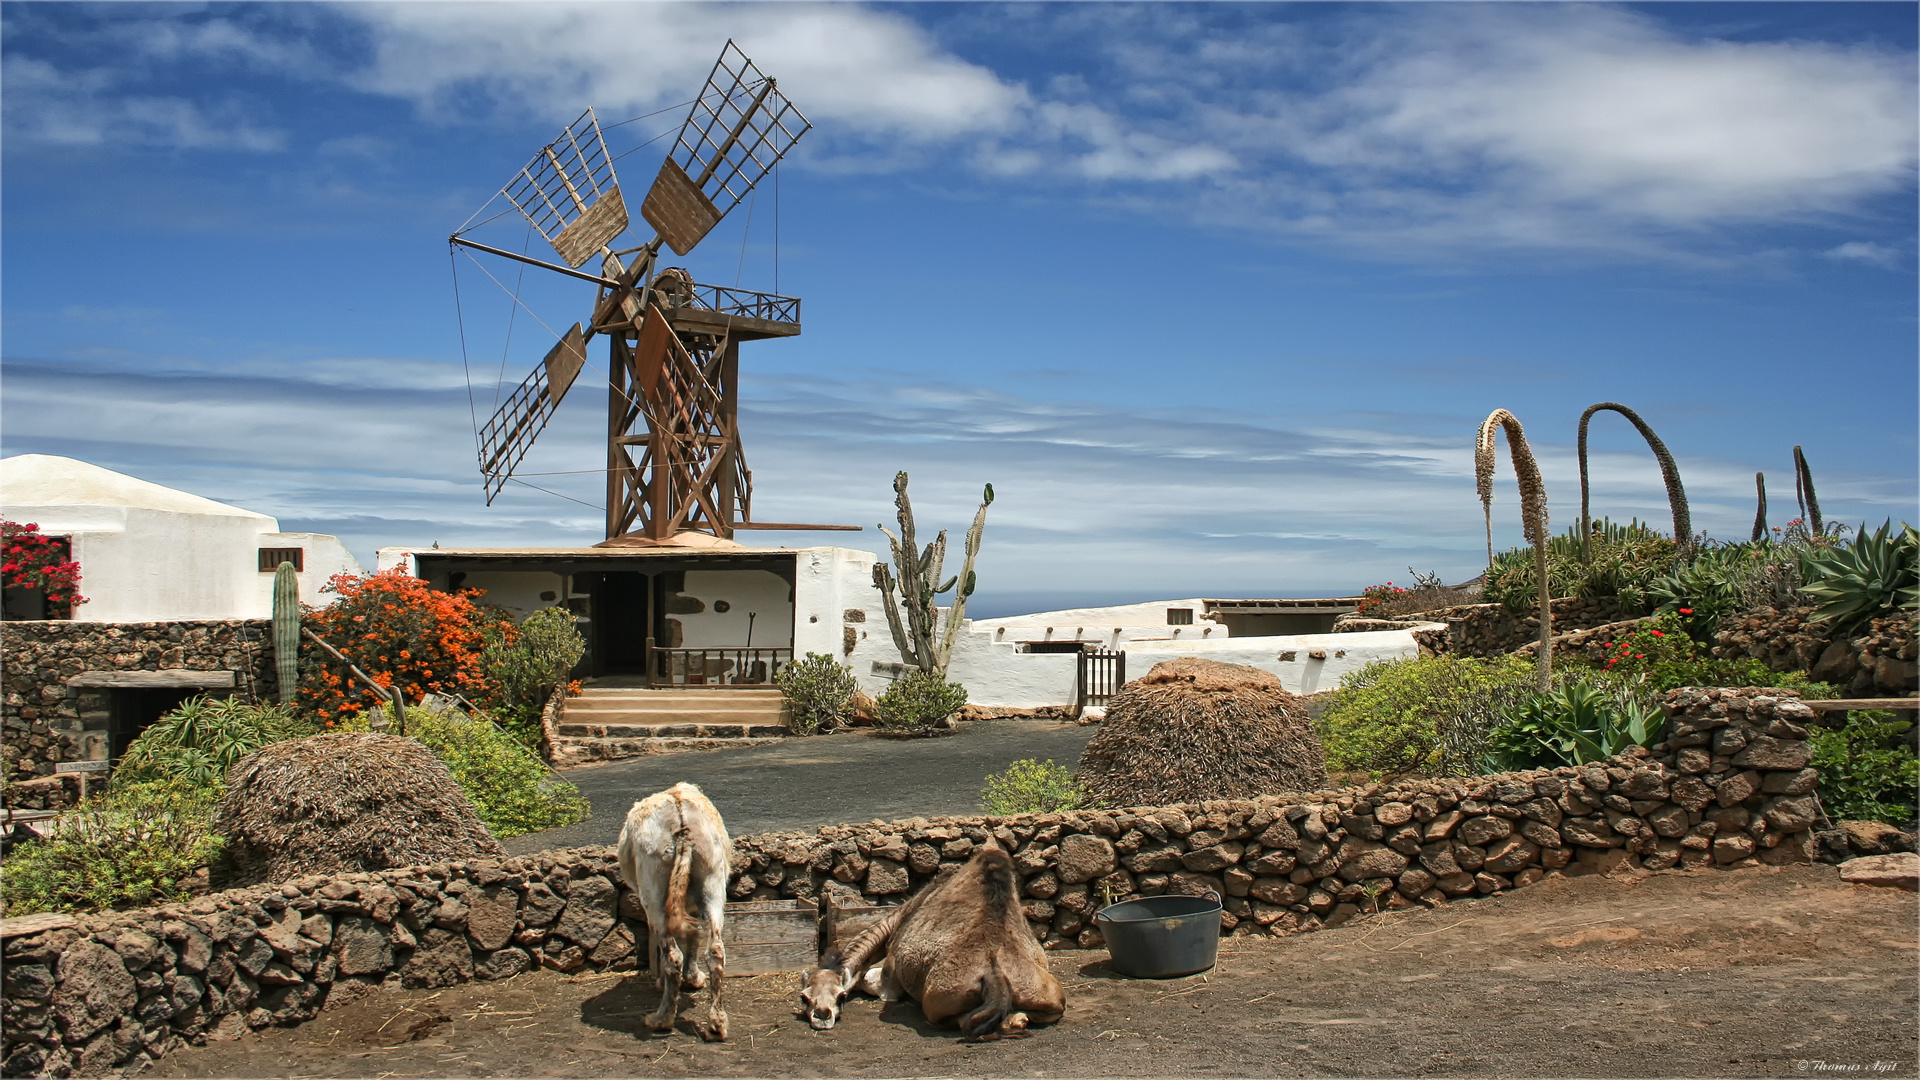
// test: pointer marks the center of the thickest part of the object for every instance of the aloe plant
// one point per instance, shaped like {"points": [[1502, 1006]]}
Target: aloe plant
{"points": [[1878, 572], [1669, 472], [1577, 723], [1533, 513]]}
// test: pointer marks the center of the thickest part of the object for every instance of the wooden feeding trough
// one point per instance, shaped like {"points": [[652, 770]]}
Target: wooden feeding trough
{"points": [[765, 936]]}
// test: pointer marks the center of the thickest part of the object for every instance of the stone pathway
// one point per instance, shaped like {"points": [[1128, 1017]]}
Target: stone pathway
{"points": [[802, 783]]}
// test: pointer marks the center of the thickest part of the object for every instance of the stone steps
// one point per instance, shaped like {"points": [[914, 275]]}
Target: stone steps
{"points": [[610, 723]]}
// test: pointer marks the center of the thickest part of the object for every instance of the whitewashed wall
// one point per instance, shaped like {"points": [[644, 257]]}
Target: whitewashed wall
{"points": [[761, 593]]}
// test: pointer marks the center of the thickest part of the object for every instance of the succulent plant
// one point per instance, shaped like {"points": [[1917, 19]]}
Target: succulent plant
{"points": [[286, 630], [918, 635], [1669, 472], [1533, 513]]}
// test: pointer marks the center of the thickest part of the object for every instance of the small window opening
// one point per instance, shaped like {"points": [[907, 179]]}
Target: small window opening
{"points": [[271, 558], [1179, 616]]}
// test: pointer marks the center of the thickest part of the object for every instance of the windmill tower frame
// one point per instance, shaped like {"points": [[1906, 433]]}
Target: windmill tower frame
{"points": [[674, 457]]}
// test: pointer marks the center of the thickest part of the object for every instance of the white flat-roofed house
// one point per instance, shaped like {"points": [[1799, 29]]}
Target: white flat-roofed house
{"points": [[149, 553]]}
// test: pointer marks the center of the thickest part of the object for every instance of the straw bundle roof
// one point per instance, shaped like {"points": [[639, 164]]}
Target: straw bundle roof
{"points": [[345, 803], [1192, 730]]}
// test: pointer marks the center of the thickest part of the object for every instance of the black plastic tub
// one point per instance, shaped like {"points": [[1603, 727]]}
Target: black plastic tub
{"points": [[1161, 937]]}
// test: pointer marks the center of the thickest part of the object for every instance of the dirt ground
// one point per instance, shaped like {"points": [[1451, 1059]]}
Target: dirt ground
{"points": [[1757, 972]]}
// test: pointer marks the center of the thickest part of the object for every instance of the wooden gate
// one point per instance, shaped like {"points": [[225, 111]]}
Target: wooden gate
{"points": [[1098, 677]]}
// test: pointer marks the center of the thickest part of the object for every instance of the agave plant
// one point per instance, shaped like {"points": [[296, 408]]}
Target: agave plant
{"points": [[1669, 472], [200, 740], [1577, 723], [1533, 512], [1877, 572]]}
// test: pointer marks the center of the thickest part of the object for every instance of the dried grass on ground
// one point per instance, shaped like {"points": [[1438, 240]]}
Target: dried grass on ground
{"points": [[344, 803], [1191, 730]]}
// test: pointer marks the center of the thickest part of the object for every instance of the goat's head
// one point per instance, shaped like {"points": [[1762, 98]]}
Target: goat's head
{"points": [[822, 990]]}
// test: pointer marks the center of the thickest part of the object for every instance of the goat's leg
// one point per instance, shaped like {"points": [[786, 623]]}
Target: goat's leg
{"points": [[716, 1029]]}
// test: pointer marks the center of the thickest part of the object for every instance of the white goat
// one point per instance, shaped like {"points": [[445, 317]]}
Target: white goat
{"points": [[674, 853]]}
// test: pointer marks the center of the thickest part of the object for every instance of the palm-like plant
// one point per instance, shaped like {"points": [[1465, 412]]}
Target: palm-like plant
{"points": [[1533, 512], [1669, 472], [1879, 571]]}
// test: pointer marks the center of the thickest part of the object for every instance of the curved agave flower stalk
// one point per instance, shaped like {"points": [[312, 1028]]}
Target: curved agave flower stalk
{"points": [[1803, 491], [1760, 517], [1669, 472], [1533, 513]]}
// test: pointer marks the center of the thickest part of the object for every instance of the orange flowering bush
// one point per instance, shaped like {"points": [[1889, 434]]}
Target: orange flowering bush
{"points": [[401, 633]]}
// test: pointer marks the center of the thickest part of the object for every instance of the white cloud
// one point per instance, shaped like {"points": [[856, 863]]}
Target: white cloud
{"points": [[1865, 251], [86, 108]]}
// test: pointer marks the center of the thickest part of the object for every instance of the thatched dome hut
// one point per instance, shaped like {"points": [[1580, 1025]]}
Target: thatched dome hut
{"points": [[344, 803], [1191, 730]]}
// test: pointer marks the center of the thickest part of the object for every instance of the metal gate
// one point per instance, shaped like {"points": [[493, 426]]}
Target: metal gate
{"points": [[1098, 677]]}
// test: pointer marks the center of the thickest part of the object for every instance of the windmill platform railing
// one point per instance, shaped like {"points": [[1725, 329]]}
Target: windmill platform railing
{"points": [[747, 303]]}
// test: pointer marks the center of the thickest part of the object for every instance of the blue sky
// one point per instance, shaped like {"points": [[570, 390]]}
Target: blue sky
{"points": [[1214, 295]]}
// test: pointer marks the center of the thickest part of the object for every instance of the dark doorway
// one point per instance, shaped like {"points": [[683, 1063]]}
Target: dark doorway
{"points": [[620, 623], [132, 710]]}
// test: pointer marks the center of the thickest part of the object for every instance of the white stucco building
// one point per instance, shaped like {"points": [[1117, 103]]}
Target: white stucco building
{"points": [[149, 553], [713, 612]]}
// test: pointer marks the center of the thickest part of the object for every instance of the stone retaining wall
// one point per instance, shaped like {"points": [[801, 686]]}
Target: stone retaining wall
{"points": [[1492, 629], [1729, 788], [1878, 660], [43, 718]]}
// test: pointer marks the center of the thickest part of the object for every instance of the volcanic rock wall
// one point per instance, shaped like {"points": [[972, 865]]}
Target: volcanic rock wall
{"points": [[1730, 787]]}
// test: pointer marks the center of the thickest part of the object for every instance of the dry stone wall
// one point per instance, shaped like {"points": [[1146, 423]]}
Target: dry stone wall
{"points": [[1730, 787], [1877, 660], [1491, 629], [42, 716]]}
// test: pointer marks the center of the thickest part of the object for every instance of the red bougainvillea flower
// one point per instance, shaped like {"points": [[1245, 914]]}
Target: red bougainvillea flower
{"points": [[1686, 611]]}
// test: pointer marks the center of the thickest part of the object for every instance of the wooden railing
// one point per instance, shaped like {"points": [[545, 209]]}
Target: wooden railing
{"points": [[754, 666]]}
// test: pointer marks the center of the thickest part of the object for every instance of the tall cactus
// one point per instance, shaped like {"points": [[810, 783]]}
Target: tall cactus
{"points": [[918, 635], [1669, 472], [286, 630], [1533, 514], [1760, 516]]}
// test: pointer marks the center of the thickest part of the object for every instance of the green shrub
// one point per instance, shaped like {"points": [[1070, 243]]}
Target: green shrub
{"points": [[511, 789], [200, 740], [820, 693], [1660, 656], [1868, 769], [1395, 717], [522, 665], [1576, 723], [1624, 560], [1032, 786], [919, 701], [1876, 573], [138, 844]]}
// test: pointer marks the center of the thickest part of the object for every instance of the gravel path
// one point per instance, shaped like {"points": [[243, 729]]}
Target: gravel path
{"points": [[803, 783]]}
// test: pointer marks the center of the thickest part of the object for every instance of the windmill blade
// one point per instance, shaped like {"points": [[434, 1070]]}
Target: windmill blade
{"points": [[510, 433], [571, 193], [737, 130]]}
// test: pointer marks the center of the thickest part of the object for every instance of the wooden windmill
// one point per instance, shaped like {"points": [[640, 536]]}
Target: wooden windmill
{"points": [[674, 461]]}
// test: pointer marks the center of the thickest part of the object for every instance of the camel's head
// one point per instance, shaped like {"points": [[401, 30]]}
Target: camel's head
{"points": [[821, 992]]}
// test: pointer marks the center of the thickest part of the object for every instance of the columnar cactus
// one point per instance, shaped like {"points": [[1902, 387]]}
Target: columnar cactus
{"points": [[1533, 513], [920, 640], [1760, 516], [286, 630]]}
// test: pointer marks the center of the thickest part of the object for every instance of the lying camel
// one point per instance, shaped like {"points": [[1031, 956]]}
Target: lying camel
{"points": [[961, 948], [674, 853]]}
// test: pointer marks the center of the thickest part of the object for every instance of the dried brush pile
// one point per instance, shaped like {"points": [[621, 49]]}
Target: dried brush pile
{"points": [[1192, 730], [344, 803]]}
